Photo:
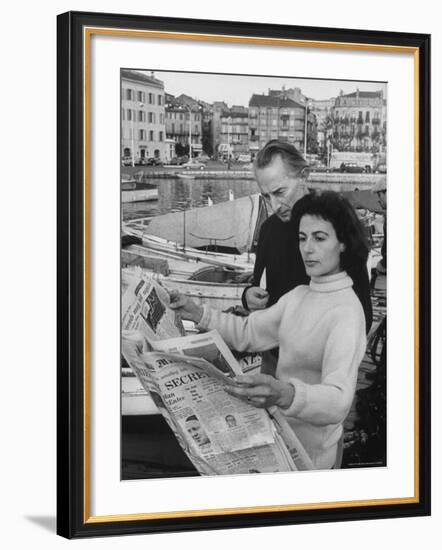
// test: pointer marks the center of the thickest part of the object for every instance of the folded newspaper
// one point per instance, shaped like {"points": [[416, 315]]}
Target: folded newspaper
{"points": [[186, 376]]}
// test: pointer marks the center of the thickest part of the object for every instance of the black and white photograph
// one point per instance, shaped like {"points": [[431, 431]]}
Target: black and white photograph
{"points": [[253, 273]]}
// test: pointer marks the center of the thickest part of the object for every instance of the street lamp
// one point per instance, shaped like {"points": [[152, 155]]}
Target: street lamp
{"points": [[307, 105]]}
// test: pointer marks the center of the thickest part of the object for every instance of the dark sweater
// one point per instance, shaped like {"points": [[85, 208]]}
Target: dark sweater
{"points": [[278, 253]]}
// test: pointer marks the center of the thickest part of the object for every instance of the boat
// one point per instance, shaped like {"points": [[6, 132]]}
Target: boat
{"points": [[134, 189], [183, 176], [138, 195], [128, 185], [169, 249], [232, 225]]}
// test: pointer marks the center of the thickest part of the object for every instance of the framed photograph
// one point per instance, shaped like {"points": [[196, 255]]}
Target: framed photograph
{"points": [[225, 191]]}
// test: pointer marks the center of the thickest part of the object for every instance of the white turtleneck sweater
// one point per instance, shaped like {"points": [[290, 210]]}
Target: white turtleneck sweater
{"points": [[320, 331]]}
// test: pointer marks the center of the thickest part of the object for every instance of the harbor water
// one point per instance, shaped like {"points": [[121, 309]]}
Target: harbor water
{"points": [[175, 195]]}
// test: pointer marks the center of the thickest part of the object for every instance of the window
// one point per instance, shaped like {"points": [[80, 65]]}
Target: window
{"points": [[161, 118], [161, 136], [129, 94], [367, 116], [122, 114], [151, 118], [142, 135], [151, 135], [141, 97], [130, 114], [151, 99], [173, 128], [160, 100], [141, 116]]}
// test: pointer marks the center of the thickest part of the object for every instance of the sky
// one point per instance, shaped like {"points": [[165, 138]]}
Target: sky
{"points": [[237, 90]]}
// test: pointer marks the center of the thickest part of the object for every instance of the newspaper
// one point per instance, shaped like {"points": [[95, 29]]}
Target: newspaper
{"points": [[187, 377], [220, 433], [145, 309]]}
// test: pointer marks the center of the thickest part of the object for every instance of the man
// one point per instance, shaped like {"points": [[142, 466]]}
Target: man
{"points": [[230, 421], [281, 174]]}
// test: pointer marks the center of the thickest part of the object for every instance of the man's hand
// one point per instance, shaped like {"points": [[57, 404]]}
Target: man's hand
{"points": [[262, 391], [256, 298], [186, 307]]}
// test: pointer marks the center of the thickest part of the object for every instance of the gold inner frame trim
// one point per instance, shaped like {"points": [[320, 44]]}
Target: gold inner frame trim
{"points": [[87, 34]]}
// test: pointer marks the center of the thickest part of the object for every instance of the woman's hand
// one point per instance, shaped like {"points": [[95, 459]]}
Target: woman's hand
{"points": [[185, 306], [256, 298], [262, 390]]}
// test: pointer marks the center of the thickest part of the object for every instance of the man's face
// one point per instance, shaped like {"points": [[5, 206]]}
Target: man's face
{"points": [[280, 188], [196, 432], [231, 422]]}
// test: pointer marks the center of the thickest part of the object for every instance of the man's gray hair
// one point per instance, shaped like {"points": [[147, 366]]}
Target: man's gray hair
{"points": [[291, 157]]}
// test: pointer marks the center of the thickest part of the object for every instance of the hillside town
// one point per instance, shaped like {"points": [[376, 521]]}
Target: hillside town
{"points": [[159, 128]]}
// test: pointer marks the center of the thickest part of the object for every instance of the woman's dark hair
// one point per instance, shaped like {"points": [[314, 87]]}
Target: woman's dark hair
{"points": [[334, 208]]}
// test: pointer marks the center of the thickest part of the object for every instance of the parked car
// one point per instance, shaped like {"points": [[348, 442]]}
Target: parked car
{"points": [[246, 157], [352, 167], [381, 168], [153, 161], [126, 161], [203, 158], [175, 161], [143, 161], [318, 168], [193, 165]]}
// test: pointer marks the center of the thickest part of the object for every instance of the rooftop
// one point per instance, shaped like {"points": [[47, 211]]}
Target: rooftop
{"points": [[272, 101], [142, 78]]}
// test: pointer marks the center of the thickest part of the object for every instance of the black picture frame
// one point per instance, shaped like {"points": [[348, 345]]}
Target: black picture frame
{"points": [[73, 517]]}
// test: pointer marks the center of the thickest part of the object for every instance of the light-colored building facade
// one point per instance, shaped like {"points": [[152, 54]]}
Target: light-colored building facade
{"points": [[184, 122], [143, 128], [276, 116], [218, 108], [234, 134], [360, 121]]}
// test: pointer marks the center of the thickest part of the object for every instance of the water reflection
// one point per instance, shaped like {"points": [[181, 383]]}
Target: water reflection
{"points": [[176, 195]]}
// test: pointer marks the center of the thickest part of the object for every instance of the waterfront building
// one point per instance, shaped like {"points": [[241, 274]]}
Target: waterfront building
{"points": [[234, 132], [360, 122], [170, 150], [143, 130], [181, 112], [278, 116], [218, 107]]}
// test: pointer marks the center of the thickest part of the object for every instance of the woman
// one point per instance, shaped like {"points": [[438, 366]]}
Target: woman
{"points": [[319, 328]]}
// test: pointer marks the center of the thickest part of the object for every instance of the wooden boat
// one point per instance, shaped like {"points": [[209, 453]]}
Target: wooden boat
{"points": [[208, 277], [231, 225], [183, 176], [138, 195]]}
